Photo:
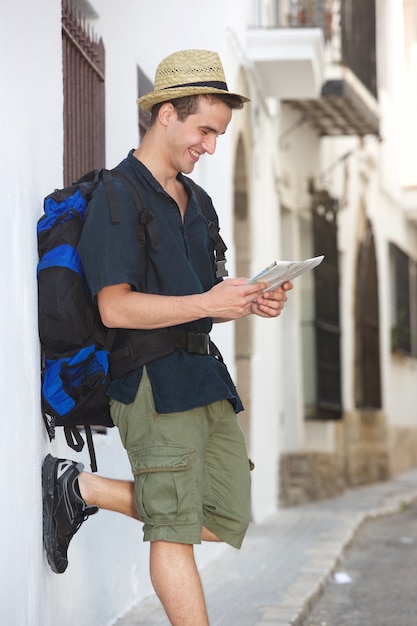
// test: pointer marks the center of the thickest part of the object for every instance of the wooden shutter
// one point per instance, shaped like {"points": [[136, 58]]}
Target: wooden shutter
{"points": [[368, 391], [327, 322], [401, 335]]}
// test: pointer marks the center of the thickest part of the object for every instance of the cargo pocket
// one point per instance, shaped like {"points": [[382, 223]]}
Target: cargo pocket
{"points": [[164, 484]]}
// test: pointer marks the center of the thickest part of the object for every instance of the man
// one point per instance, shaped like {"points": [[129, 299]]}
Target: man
{"points": [[176, 413]]}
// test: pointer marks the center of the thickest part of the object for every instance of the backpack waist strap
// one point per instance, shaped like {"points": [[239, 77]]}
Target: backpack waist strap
{"points": [[139, 349]]}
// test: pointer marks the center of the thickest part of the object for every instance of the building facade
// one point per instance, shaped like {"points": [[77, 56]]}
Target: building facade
{"points": [[322, 161]]}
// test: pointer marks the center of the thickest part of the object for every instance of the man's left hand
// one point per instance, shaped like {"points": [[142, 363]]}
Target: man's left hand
{"points": [[271, 303]]}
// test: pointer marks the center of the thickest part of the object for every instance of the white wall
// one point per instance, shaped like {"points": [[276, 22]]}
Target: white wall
{"points": [[30, 113]]}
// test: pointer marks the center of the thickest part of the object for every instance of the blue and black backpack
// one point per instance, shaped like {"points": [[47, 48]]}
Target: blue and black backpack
{"points": [[78, 352], [74, 343]]}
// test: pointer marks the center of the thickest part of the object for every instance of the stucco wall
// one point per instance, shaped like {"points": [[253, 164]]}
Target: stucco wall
{"points": [[30, 114]]}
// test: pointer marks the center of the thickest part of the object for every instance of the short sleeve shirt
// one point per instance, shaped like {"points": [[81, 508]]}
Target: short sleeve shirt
{"points": [[179, 261]]}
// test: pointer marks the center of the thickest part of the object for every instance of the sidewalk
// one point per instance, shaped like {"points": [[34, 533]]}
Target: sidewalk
{"points": [[284, 562]]}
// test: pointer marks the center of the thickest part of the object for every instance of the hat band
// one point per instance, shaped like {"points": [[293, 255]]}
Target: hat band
{"points": [[216, 84]]}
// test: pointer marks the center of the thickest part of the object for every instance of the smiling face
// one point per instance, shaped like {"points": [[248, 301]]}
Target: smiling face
{"points": [[188, 140]]}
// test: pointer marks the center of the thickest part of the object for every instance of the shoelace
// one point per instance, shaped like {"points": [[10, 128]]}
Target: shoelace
{"points": [[81, 517]]}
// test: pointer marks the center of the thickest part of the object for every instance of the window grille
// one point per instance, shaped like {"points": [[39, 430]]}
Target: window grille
{"points": [[84, 110], [358, 21]]}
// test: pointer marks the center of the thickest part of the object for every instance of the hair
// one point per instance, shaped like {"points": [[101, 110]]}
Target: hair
{"points": [[188, 105]]}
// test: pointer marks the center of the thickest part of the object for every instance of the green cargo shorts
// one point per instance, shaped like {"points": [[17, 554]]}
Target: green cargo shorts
{"points": [[191, 469]]}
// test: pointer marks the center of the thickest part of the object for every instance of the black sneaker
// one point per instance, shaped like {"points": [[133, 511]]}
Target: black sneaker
{"points": [[64, 510]]}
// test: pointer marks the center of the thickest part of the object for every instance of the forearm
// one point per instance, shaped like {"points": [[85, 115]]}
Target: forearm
{"points": [[120, 307], [123, 308]]}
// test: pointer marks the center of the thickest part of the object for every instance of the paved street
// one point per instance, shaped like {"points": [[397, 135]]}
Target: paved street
{"points": [[377, 577]]}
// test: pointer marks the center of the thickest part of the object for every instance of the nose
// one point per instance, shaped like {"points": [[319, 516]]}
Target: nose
{"points": [[209, 144]]}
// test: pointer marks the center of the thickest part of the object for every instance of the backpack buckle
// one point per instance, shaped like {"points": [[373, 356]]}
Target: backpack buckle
{"points": [[221, 270], [197, 343]]}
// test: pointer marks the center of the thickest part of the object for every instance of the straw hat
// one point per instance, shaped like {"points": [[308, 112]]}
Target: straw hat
{"points": [[187, 73]]}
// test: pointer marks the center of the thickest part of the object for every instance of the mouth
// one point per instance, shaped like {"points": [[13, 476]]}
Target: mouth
{"points": [[194, 155]]}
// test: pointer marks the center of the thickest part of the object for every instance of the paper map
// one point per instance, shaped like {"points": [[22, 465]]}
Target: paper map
{"points": [[280, 271]]}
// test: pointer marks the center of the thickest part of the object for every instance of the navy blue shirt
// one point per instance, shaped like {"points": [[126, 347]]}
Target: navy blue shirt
{"points": [[180, 261]]}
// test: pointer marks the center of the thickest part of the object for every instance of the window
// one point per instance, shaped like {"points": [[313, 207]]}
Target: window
{"points": [[368, 377], [328, 404], [83, 73], [404, 302]]}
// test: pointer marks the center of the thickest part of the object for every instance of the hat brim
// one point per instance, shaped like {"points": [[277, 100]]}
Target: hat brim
{"points": [[149, 100]]}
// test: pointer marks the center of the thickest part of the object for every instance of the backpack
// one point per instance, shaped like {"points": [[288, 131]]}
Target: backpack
{"points": [[74, 343], [76, 348]]}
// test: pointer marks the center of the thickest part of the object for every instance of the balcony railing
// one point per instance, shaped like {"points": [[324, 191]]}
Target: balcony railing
{"points": [[295, 14], [348, 26]]}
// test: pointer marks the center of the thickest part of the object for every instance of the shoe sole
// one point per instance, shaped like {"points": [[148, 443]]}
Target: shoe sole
{"points": [[55, 560]]}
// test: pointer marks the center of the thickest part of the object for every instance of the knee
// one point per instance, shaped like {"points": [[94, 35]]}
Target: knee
{"points": [[166, 554]]}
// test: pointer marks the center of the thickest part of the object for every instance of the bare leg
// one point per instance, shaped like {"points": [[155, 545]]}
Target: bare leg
{"points": [[108, 493], [177, 583], [117, 495], [173, 569]]}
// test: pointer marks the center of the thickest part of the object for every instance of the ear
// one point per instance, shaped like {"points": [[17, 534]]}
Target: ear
{"points": [[166, 112]]}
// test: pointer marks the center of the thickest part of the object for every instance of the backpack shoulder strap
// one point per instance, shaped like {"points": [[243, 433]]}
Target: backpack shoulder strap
{"points": [[107, 178], [219, 245], [145, 221]]}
